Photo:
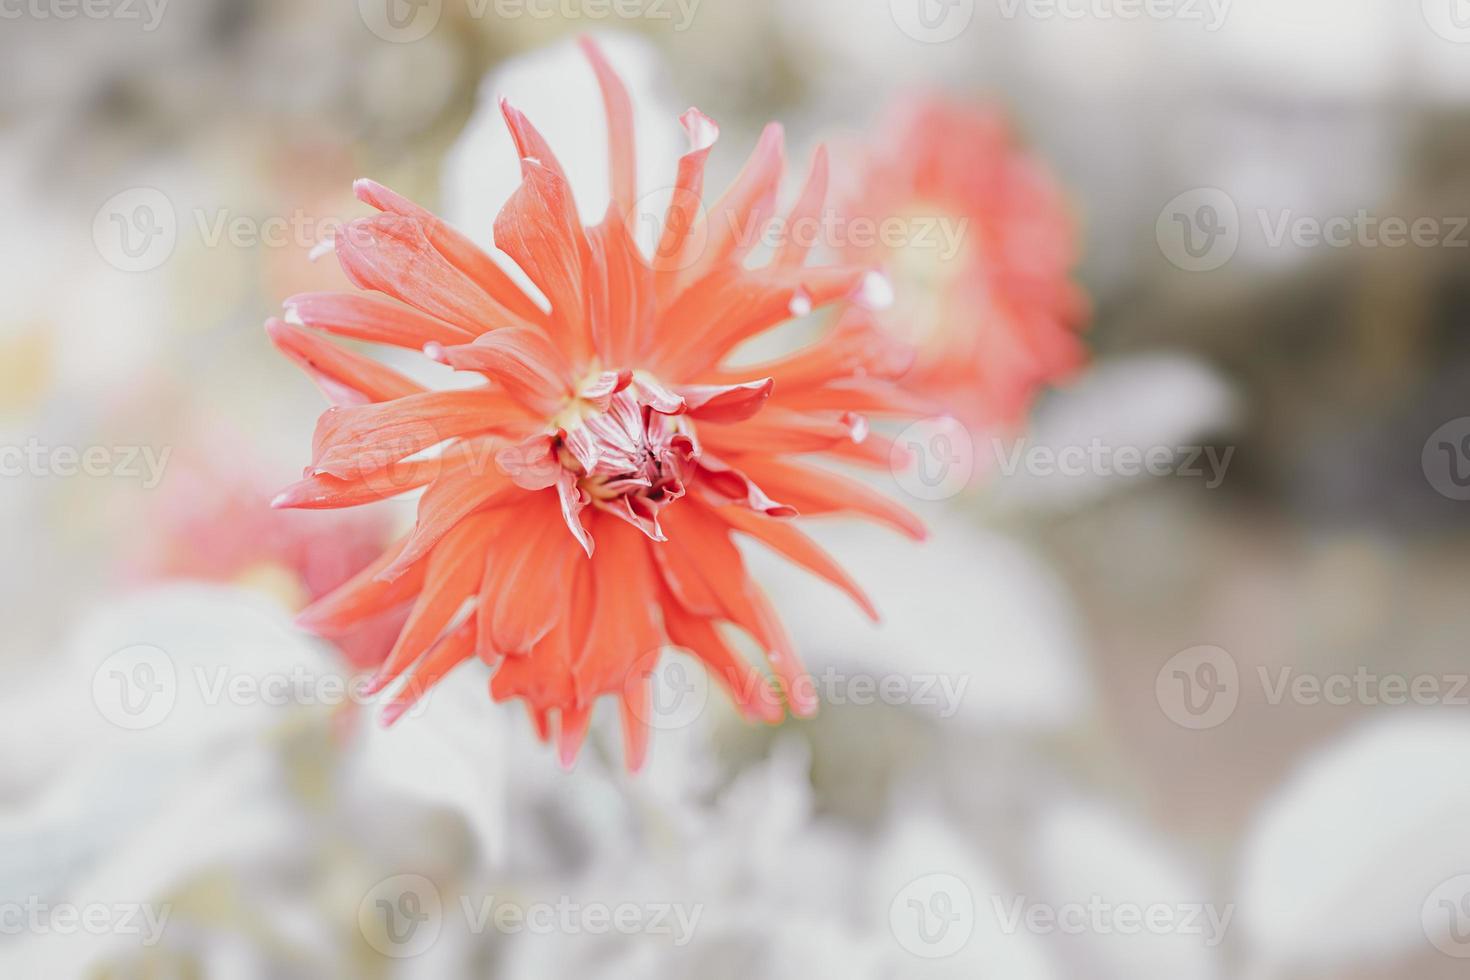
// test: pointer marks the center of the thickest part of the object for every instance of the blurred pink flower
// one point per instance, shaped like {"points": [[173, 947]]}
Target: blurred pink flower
{"points": [[979, 244]]}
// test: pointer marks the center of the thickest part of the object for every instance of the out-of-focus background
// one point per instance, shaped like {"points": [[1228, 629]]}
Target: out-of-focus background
{"points": [[1208, 722]]}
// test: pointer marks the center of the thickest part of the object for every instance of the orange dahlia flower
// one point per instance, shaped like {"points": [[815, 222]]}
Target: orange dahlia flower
{"points": [[580, 502], [979, 244]]}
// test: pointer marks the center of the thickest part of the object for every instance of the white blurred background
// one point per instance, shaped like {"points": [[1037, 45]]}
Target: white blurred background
{"points": [[1186, 726]]}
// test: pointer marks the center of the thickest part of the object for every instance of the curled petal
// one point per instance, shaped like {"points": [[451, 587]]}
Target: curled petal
{"points": [[726, 403], [522, 360]]}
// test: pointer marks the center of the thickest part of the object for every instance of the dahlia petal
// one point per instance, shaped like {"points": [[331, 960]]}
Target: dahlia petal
{"points": [[352, 442], [392, 254], [700, 565], [633, 708], [814, 492], [620, 144], [532, 464], [808, 207], [779, 430], [454, 495], [726, 403], [573, 501], [322, 491], [871, 396], [625, 627], [362, 596], [457, 249], [855, 346], [372, 319], [540, 230], [736, 221], [783, 536], [454, 570], [571, 732], [620, 292], [734, 304], [522, 360], [448, 653], [748, 687], [345, 377], [760, 620], [683, 215], [544, 678], [724, 484], [662, 400], [529, 575]]}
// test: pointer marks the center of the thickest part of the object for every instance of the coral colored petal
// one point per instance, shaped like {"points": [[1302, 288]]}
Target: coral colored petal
{"points": [[454, 570], [528, 578], [459, 491], [448, 653], [345, 377], [634, 706], [620, 142], [362, 597], [571, 732], [726, 403], [625, 632], [370, 318], [671, 257], [736, 221], [620, 292], [732, 305], [391, 254], [458, 250], [747, 686], [813, 492], [781, 431], [804, 220], [785, 538], [352, 442], [521, 360]]}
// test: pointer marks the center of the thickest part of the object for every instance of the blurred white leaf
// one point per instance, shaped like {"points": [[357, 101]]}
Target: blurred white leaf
{"points": [[1342, 859]]}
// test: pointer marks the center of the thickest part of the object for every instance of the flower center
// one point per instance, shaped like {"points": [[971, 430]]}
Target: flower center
{"points": [[629, 458]]}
